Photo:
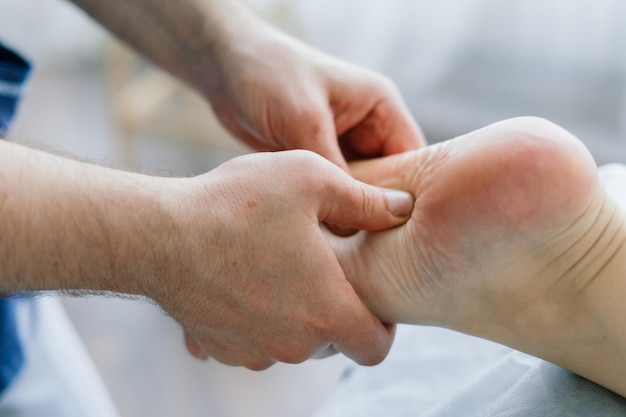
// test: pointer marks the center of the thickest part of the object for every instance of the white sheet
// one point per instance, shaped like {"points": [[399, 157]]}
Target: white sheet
{"points": [[433, 372]]}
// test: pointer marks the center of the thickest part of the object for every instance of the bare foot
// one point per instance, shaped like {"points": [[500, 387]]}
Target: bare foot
{"points": [[510, 234]]}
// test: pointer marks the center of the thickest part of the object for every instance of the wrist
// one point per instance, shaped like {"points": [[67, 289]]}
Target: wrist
{"points": [[182, 241], [230, 27], [240, 42], [150, 234]]}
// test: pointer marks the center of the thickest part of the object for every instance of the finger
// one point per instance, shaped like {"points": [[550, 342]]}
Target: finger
{"points": [[363, 338], [351, 203], [387, 129], [391, 328], [373, 137], [195, 349], [405, 134]]}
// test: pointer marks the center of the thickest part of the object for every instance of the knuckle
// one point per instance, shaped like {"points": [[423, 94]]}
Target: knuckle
{"points": [[294, 355], [359, 200], [384, 84], [309, 166], [368, 202], [313, 114], [350, 195], [259, 364], [298, 351], [312, 117], [301, 158], [307, 160], [326, 331]]}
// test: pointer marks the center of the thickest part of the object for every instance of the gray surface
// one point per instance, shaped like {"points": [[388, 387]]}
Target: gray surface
{"points": [[433, 372], [439, 373]]}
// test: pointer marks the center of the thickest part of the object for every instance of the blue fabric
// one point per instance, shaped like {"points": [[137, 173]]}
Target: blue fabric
{"points": [[14, 71], [11, 353]]}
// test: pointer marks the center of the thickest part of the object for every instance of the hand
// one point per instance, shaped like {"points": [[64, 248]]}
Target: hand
{"points": [[268, 89], [257, 281], [276, 93]]}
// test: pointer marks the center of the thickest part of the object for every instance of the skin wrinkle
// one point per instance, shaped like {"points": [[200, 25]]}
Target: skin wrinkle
{"points": [[368, 205], [577, 241], [433, 257], [426, 283], [567, 228], [584, 259], [437, 157], [562, 236], [615, 235]]}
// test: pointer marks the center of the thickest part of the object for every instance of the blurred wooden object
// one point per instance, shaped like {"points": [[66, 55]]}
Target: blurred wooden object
{"points": [[147, 102]]}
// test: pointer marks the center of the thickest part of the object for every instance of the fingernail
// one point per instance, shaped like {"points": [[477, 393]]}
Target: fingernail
{"points": [[400, 203]]}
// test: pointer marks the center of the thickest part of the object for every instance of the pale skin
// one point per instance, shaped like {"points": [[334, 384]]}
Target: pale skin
{"points": [[512, 238], [250, 307], [236, 256], [271, 91]]}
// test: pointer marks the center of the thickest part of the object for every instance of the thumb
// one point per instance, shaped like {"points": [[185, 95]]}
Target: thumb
{"points": [[351, 203]]}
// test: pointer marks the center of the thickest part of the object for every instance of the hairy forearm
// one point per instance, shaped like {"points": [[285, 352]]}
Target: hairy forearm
{"points": [[69, 225], [180, 36]]}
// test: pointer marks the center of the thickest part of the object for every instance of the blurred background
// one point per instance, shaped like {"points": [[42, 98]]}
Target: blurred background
{"points": [[459, 66]]}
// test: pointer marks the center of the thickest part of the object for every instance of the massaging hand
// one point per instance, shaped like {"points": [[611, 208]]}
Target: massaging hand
{"points": [[270, 90], [258, 280], [276, 93], [512, 238], [237, 255]]}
